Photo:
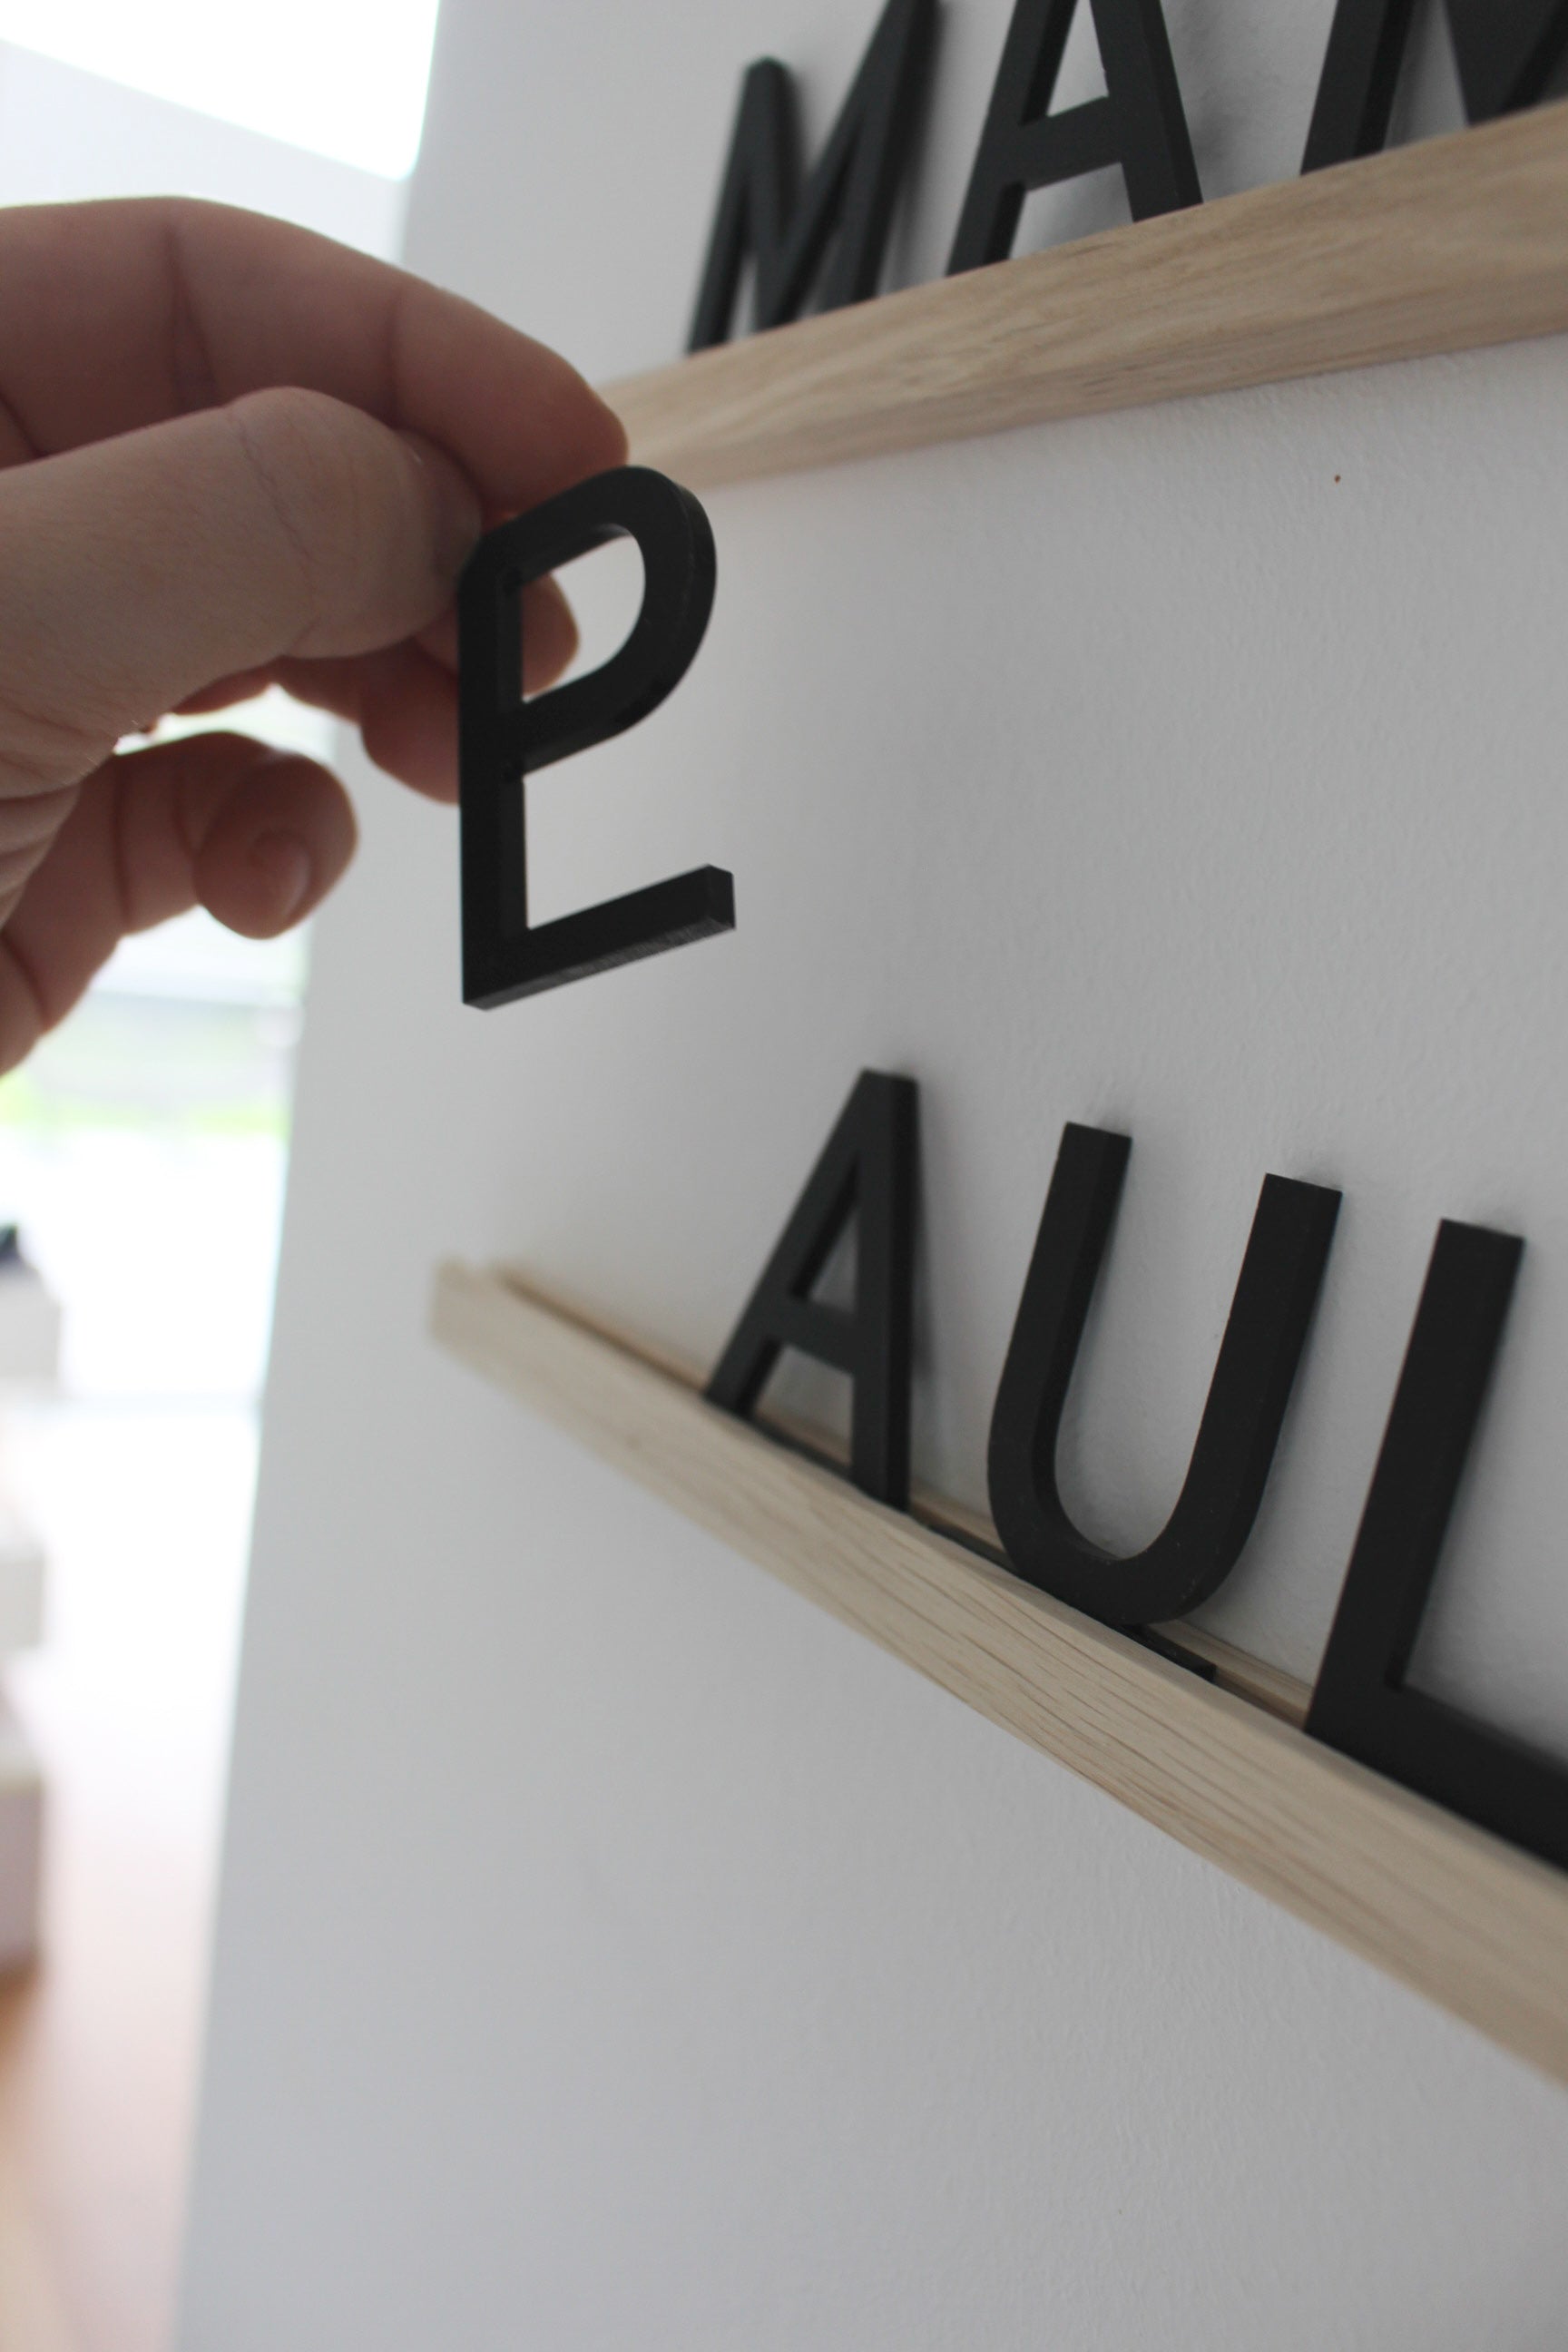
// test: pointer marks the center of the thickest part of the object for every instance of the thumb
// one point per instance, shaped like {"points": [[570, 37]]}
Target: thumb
{"points": [[137, 570]]}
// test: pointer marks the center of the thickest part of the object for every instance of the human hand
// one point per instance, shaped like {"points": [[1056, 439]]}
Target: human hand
{"points": [[233, 453]]}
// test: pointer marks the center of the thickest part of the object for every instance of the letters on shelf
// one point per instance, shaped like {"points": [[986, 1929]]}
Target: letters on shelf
{"points": [[829, 234], [866, 1172], [1508, 53], [1203, 1539], [848, 201], [1138, 124], [832, 233], [1361, 1705]]}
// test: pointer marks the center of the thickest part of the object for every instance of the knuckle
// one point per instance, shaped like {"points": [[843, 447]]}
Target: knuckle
{"points": [[42, 753], [323, 477]]}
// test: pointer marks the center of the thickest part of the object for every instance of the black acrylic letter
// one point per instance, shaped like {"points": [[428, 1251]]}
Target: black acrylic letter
{"points": [[1202, 1541], [866, 1170], [1506, 51], [763, 208], [503, 738], [1361, 1705], [1139, 124]]}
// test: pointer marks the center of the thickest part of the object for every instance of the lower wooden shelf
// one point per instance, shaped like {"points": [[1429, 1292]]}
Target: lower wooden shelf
{"points": [[1461, 1918]]}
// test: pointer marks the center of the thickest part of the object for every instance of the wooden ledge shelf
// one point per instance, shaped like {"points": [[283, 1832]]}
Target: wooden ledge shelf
{"points": [[1444, 246], [1461, 1918]]}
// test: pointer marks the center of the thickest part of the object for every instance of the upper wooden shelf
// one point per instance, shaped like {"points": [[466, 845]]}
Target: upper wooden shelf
{"points": [[1441, 247]]}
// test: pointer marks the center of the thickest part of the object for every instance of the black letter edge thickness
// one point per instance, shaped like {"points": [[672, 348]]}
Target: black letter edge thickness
{"points": [[1361, 1705], [868, 1171], [763, 208], [1507, 52], [503, 738], [1270, 1314], [1140, 123]]}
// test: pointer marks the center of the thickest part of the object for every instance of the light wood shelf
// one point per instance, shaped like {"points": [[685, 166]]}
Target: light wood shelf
{"points": [[1442, 245], [1461, 1918]]}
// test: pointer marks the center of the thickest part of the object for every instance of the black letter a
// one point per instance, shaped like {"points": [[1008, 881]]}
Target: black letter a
{"points": [[763, 209], [868, 1166], [1139, 124], [1506, 51]]}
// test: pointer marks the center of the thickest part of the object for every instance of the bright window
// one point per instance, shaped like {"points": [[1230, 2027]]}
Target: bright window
{"points": [[345, 78]]}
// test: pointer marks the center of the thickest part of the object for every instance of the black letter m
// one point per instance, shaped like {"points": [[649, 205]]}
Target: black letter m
{"points": [[1507, 52], [763, 210]]}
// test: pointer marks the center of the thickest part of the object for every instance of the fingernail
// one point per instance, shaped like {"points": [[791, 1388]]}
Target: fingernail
{"points": [[455, 520], [285, 861]]}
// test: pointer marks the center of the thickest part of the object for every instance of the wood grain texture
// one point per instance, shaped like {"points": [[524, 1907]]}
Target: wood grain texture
{"points": [[1440, 247], [1453, 1913]]}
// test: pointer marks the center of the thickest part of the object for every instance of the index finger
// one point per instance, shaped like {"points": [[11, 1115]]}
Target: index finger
{"points": [[119, 315]]}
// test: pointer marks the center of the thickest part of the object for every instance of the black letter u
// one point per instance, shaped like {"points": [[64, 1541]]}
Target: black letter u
{"points": [[1203, 1538]]}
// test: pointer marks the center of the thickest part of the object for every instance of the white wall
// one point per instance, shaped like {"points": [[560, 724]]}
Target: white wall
{"points": [[614, 1952]]}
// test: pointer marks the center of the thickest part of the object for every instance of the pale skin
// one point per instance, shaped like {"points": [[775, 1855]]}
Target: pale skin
{"points": [[231, 454]]}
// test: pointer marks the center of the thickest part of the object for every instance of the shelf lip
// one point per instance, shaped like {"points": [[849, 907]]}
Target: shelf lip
{"points": [[1474, 1926], [1448, 244]]}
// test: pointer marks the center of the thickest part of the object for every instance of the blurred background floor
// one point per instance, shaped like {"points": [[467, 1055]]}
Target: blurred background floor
{"points": [[143, 1151], [145, 1514], [143, 1154]]}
